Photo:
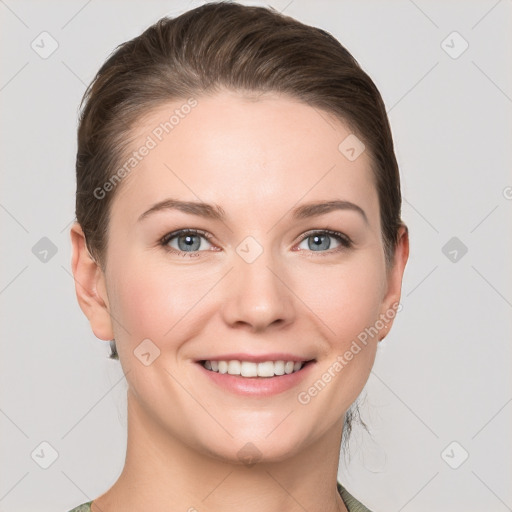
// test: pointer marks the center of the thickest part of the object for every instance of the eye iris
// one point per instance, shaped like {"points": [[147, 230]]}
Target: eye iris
{"points": [[320, 242], [190, 244], [186, 242]]}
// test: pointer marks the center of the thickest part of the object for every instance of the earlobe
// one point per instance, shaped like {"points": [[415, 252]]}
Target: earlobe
{"points": [[90, 286], [391, 302]]}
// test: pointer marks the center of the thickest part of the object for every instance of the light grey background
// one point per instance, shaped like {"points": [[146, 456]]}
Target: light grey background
{"points": [[442, 375]]}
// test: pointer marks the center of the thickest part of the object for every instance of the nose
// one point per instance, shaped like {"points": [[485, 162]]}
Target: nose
{"points": [[257, 295]]}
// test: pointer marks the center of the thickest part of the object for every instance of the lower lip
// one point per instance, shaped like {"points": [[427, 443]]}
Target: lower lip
{"points": [[258, 386]]}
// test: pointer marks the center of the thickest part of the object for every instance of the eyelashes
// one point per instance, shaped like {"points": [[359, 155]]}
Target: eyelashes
{"points": [[345, 242], [319, 236], [188, 234]]}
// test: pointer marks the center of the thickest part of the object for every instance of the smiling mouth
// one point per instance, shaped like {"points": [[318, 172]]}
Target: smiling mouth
{"points": [[249, 369]]}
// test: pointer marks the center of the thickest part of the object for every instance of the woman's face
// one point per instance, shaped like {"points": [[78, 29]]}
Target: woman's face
{"points": [[261, 280]]}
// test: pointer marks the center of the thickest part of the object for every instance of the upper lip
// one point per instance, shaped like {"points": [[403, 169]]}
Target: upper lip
{"points": [[257, 358]]}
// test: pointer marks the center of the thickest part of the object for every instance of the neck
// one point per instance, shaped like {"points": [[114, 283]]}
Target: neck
{"points": [[162, 473]]}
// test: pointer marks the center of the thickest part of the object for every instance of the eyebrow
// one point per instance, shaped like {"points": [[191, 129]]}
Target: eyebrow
{"points": [[321, 207], [205, 210], [216, 212]]}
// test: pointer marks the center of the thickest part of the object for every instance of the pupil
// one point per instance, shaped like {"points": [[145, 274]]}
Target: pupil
{"points": [[187, 243], [320, 241]]}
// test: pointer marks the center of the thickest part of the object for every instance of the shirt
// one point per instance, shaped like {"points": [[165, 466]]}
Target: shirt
{"points": [[350, 502]]}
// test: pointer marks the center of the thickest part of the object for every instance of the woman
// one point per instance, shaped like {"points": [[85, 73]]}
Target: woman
{"points": [[239, 242]]}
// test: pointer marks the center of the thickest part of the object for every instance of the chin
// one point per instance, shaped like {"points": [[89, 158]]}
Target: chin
{"points": [[248, 450]]}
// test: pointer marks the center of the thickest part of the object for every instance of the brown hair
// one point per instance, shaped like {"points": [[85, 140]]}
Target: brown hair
{"points": [[241, 48]]}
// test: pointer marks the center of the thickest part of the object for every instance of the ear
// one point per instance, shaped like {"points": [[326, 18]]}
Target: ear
{"points": [[90, 287], [391, 300]]}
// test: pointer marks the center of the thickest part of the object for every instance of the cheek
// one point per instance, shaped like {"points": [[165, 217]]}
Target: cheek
{"points": [[347, 302], [347, 298], [157, 302]]}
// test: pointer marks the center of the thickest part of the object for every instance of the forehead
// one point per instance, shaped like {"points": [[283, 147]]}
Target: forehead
{"points": [[244, 150]]}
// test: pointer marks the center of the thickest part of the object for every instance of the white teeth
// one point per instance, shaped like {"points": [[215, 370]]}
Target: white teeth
{"points": [[250, 369], [223, 366], [234, 367], [266, 369], [279, 367]]}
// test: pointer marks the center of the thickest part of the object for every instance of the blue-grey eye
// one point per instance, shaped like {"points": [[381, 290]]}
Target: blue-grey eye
{"points": [[187, 242], [321, 241]]}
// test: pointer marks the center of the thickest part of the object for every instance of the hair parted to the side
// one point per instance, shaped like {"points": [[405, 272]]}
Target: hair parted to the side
{"points": [[224, 45]]}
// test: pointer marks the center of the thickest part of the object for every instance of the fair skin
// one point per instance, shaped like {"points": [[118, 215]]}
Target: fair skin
{"points": [[258, 159]]}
